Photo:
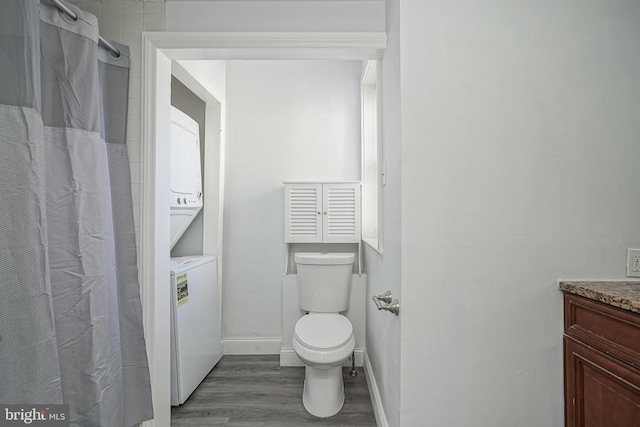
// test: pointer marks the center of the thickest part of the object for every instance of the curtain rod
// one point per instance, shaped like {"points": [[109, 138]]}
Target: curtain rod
{"points": [[71, 14]]}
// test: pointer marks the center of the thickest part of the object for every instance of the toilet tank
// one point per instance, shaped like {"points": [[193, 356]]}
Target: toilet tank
{"points": [[324, 281]]}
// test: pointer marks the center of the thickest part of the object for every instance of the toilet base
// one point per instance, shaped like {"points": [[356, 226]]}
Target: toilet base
{"points": [[323, 394]]}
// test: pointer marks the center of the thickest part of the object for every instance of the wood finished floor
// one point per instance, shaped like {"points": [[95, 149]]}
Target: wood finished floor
{"points": [[251, 391]]}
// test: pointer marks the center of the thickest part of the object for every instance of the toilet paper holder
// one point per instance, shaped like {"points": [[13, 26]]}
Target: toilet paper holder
{"points": [[386, 302]]}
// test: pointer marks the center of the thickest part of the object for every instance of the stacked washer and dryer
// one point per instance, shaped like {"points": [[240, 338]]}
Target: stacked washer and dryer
{"points": [[195, 308]]}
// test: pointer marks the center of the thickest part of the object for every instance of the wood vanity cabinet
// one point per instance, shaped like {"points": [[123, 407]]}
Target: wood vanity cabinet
{"points": [[601, 364]]}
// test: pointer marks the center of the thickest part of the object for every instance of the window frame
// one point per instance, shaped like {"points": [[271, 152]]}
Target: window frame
{"points": [[371, 143]]}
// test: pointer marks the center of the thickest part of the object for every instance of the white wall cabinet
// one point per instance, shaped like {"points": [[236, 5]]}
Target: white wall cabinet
{"points": [[322, 212]]}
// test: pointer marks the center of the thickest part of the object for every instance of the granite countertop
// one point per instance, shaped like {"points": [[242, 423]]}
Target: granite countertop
{"points": [[624, 295]]}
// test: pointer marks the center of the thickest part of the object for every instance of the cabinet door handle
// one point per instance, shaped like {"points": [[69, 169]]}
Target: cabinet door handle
{"points": [[319, 212], [325, 212]]}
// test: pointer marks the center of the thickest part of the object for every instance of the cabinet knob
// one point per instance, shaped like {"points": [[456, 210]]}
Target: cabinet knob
{"points": [[325, 212], [319, 212]]}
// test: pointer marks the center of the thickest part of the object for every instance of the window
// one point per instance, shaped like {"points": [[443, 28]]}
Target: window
{"points": [[372, 164]]}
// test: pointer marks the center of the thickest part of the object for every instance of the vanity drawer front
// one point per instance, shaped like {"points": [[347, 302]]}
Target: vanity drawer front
{"points": [[612, 330]]}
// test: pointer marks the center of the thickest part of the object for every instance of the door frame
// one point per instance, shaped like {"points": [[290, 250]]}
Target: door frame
{"points": [[159, 50]]}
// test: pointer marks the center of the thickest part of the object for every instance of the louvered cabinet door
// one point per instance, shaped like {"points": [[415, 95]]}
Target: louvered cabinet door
{"points": [[341, 213], [303, 213]]}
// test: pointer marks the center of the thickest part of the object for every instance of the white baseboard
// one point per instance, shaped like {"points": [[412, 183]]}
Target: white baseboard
{"points": [[251, 345], [288, 357], [374, 392]]}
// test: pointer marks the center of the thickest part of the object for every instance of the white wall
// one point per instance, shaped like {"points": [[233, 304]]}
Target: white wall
{"points": [[519, 167], [383, 272], [286, 120], [325, 15]]}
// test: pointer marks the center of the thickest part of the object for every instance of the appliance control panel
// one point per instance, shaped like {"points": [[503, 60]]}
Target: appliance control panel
{"points": [[186, 200]]}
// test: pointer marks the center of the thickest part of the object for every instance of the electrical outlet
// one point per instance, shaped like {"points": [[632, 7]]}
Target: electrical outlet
{"points": [[633, 262]]}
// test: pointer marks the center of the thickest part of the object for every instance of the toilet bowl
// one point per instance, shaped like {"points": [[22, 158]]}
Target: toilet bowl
{"points": [[323, 339], [323, 342]]}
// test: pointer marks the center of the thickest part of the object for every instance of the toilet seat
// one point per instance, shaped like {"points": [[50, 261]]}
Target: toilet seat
{"points": [[323, 331], [323, 339]]}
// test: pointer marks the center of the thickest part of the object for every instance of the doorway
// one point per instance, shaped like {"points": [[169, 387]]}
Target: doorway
{"points": [[161, 51]]}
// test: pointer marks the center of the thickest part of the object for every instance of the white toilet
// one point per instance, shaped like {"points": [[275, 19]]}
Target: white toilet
{"points": [[323, 338]]}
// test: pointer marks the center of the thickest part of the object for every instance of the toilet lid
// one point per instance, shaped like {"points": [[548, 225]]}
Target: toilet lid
{"points": [[323, 331]]}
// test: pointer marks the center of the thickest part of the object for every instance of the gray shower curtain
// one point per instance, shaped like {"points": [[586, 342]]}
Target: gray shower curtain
{"points": [[70, 313]]}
